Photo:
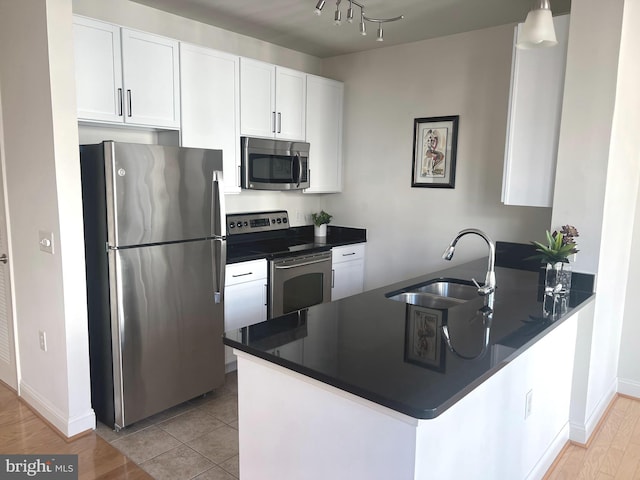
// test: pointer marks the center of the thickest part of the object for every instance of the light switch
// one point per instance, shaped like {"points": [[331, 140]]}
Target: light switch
{"points": [[46, 241]]}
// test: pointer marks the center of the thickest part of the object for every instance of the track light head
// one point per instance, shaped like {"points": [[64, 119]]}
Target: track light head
{"points": [[319, 7], [380, 37], [363, 28]]}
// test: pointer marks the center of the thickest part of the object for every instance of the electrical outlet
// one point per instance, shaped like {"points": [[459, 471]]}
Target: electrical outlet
{"points": [[528, 403], [43, 340]]}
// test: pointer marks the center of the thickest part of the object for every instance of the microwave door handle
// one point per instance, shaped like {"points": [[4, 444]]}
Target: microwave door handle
{"points": [[299, 168]]}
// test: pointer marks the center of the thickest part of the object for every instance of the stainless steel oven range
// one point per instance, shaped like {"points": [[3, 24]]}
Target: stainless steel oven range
{"points": [[299, 270]]}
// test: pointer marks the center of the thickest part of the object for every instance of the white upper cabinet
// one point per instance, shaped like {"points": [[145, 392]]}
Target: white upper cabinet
{"points": [[98, 67], [209, 86], [272, 101], [533, 126], [291, 96], [324, 133], [126, 76], [150, 66]]}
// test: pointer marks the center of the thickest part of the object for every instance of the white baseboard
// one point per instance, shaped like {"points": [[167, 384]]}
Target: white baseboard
{"points": [[550, 455], [581, 433], [69, 426], [629, 387]]}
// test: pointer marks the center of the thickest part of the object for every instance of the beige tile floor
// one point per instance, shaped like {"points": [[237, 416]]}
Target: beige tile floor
{"points": [[195, 440]]}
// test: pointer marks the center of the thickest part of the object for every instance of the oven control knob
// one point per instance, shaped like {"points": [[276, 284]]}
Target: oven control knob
{"points": [[231, 225], [273, 220], [246, 224], [284, 219], [279, 220], [239, 224]]}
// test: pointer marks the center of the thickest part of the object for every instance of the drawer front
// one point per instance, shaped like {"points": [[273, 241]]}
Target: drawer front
{"points": [[246, 272], [348, 253]]}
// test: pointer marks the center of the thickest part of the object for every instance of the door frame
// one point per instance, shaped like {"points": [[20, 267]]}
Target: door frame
{"points": [[9, 372]]}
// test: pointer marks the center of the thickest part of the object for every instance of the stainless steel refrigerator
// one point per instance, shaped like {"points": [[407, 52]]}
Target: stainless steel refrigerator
{"points": [[155, 254]]}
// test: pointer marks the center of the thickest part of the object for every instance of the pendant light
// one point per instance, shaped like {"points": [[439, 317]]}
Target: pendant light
{"points": [[537, 30]]}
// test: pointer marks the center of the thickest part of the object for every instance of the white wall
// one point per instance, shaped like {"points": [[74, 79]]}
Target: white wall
{"points": [[385, 89], [597, 181], [629, 362], [43, 191]]}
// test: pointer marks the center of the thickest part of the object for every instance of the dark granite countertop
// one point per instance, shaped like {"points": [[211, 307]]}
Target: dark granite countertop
{"points": [[293, 240], [394, 354]]}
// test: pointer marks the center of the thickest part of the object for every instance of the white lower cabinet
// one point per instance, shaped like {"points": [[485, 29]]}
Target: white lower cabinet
{"points": [[348, 270], [245, 297]]}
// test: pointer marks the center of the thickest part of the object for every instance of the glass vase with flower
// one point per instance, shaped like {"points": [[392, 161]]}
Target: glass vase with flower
{"points": [[555, 254]]}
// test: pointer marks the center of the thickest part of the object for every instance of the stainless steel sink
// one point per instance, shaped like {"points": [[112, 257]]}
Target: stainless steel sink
{"points": [[439, 293]]}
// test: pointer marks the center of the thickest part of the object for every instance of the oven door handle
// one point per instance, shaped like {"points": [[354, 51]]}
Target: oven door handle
{"points": [[287, 267]]}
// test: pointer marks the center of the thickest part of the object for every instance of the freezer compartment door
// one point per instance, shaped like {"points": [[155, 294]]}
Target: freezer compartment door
{"points": [[160, 193], [166, 327]]}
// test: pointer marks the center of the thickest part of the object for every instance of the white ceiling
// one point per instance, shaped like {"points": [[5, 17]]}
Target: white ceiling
{"points": [[292, 23]]}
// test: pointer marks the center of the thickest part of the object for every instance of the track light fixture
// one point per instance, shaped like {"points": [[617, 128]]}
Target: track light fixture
{"points": [[337, 18]]}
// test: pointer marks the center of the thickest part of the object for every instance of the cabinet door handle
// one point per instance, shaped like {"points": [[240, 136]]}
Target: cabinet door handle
{"points": [[129, 102], [273, 122], [348, 254], [120, 100], [242, 274], [279, 122], [333, 278], [266, 294]]}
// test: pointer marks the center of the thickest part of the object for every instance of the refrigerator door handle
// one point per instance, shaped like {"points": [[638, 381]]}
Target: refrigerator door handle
{"points": [[219, 246], [218, 219]]}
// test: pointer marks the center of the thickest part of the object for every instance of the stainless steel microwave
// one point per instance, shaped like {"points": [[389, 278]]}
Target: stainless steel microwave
{"points": [[274, 164]]}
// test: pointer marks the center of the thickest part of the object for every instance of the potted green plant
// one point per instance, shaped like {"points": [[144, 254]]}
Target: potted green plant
{"points": [[560, 246], [320, 221], [555, 254]]}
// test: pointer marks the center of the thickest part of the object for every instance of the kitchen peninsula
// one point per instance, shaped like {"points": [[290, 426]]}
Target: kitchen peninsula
{"points": [[369, 387]]}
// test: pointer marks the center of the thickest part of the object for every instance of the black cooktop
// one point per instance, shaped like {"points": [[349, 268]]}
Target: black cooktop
{"points": [[269, 235]]}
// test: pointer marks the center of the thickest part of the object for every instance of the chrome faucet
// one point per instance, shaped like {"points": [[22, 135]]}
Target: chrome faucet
{"points": [[490, 280]]}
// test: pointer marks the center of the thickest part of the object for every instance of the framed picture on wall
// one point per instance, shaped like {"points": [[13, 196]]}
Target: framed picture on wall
{"points": [[424, 344], [434, 152]]}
